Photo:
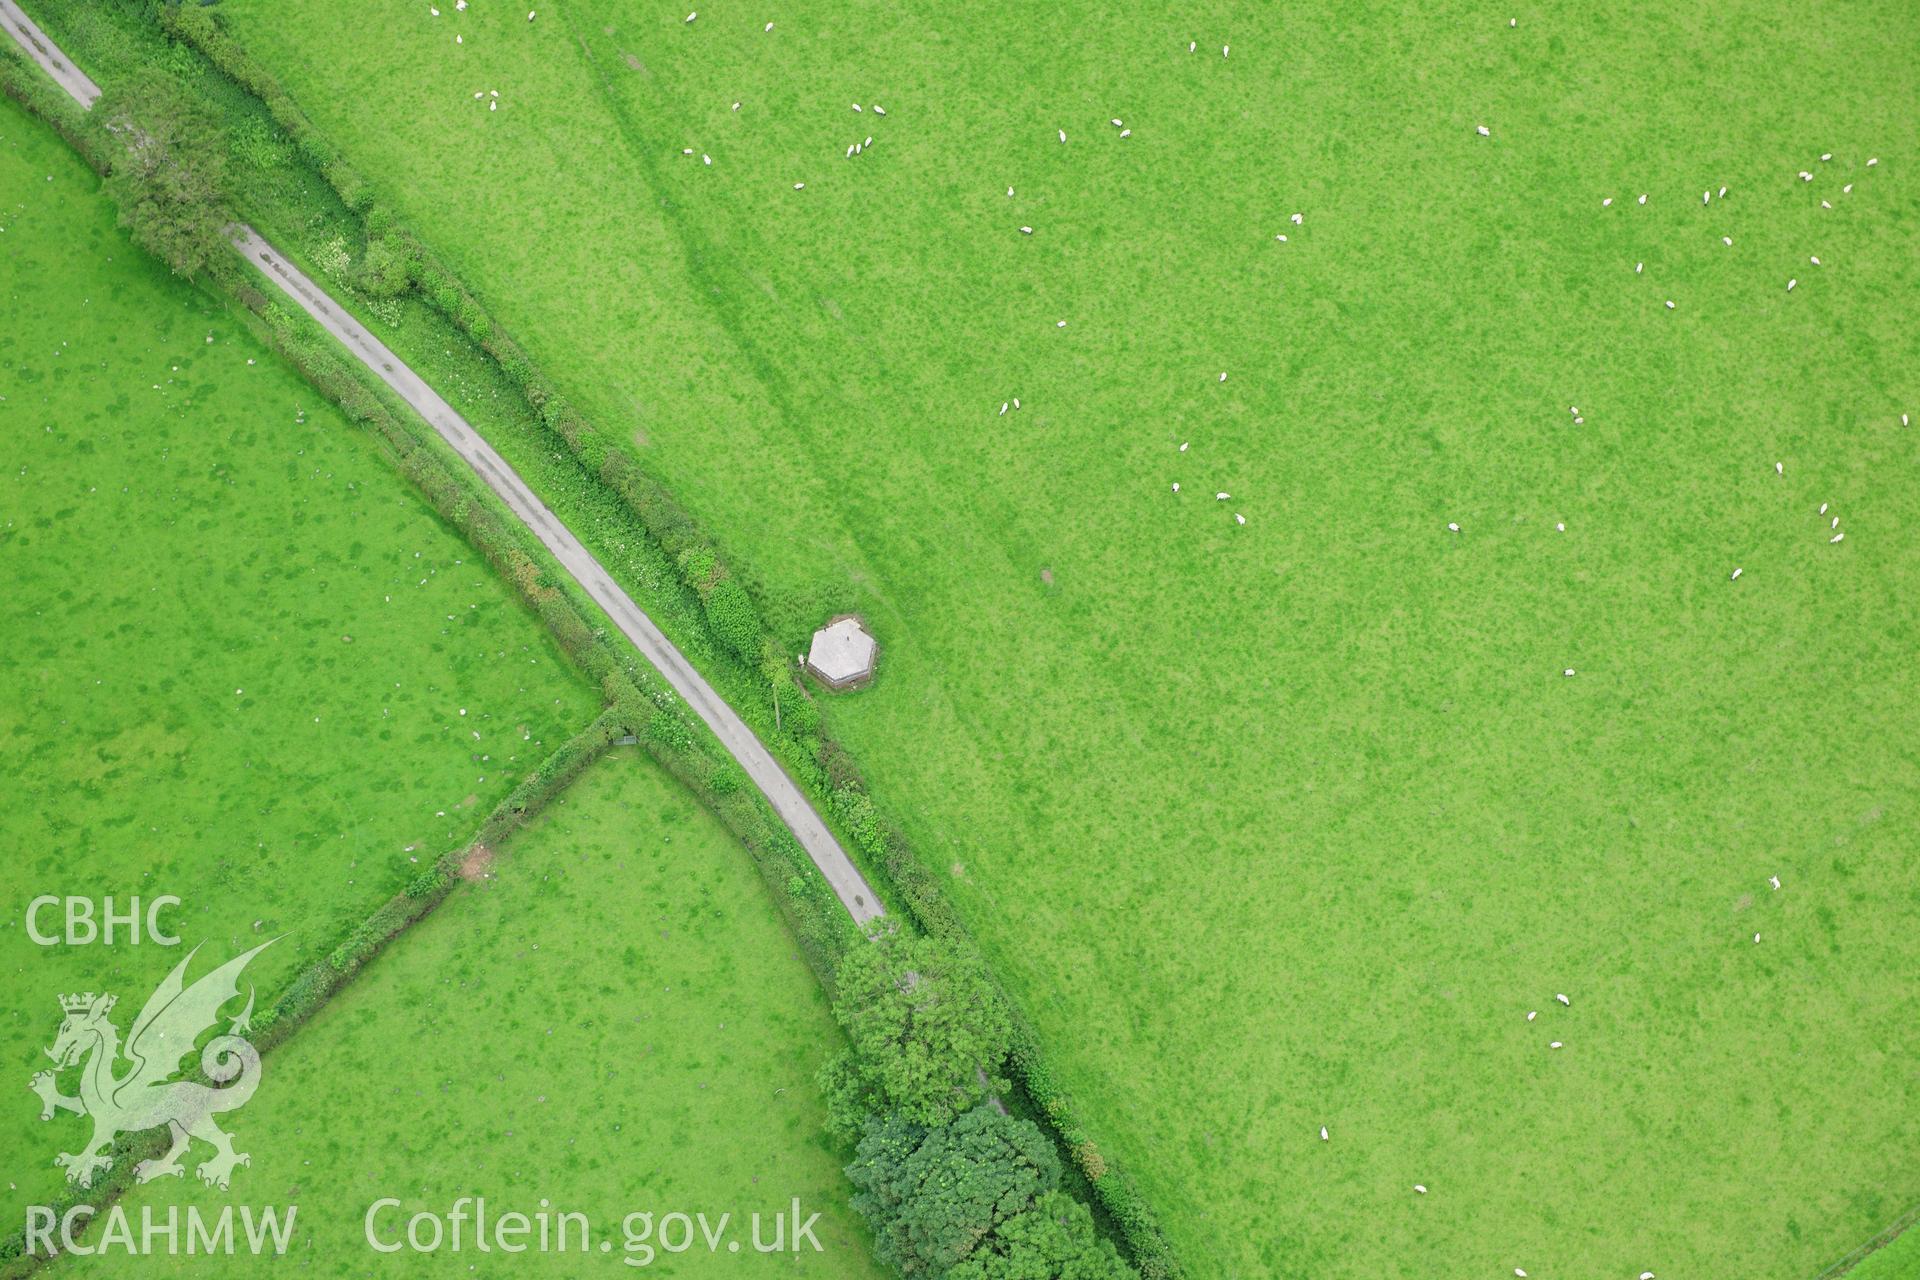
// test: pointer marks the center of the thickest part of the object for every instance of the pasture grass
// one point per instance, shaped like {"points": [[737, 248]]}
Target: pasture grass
{"points": [[1897, 1261], [612, 1020], [1289, 824], [244, 664]]}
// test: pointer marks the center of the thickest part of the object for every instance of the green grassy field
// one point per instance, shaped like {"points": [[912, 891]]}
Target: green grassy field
{"points": [[1898, 1261], [615, 1021], [1291, 823], [244, 665]]}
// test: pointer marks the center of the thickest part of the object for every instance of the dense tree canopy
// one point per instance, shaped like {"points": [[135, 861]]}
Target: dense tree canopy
{"points": [[934, 1195], [170, 183], [928, 1029], [1053, 1240]]}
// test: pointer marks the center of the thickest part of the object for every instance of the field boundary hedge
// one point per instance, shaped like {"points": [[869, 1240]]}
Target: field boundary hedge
{"points": [[733, 626], [39, 96], [1878, 1241], [639, 704], [310, 989], [832, 772]]}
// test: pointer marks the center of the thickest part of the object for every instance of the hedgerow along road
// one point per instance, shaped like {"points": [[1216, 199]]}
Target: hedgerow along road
{"points": [[855, 894]]}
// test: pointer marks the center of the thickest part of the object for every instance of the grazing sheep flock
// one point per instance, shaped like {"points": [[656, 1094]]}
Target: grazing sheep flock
{"points": [[860, 147], [1665, 261], [1198, 459]]}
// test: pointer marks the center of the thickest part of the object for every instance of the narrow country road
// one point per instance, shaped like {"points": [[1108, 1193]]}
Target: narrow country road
{"points": [[48, 55], [734, 735], [739, 740]]}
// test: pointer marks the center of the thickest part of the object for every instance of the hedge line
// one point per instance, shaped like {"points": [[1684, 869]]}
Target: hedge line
{"points": [[641, 702], [651, 710], [733, 621], [318, 982], [645, 707], [24, 82], [642, 707], [396, 262]]}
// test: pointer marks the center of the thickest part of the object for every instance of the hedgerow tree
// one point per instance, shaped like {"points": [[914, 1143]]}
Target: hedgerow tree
{"points": [[387, 269], [928, 1034], [734, 620], [170, 182], [1054, 1239], [935, 1195]]}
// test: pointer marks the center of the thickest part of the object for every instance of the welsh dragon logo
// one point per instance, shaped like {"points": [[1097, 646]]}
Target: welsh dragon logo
{"points": [[146, 1094]]}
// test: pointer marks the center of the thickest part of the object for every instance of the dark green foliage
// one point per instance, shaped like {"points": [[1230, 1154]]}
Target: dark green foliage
{"points": [[388, 269], [928, 1030], [629, 494], [799, 713], [428, 884], [935, 1195], [697, 565], [28, 86], [256, 143], [1053, 1240], [668, 730], [170, 182], [730, 611]]}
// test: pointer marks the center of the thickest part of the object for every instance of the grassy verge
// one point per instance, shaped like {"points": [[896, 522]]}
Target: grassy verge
{"points": [[297, 187], [683, 579], [302, 210], [638, 702], [1300, 809]]}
